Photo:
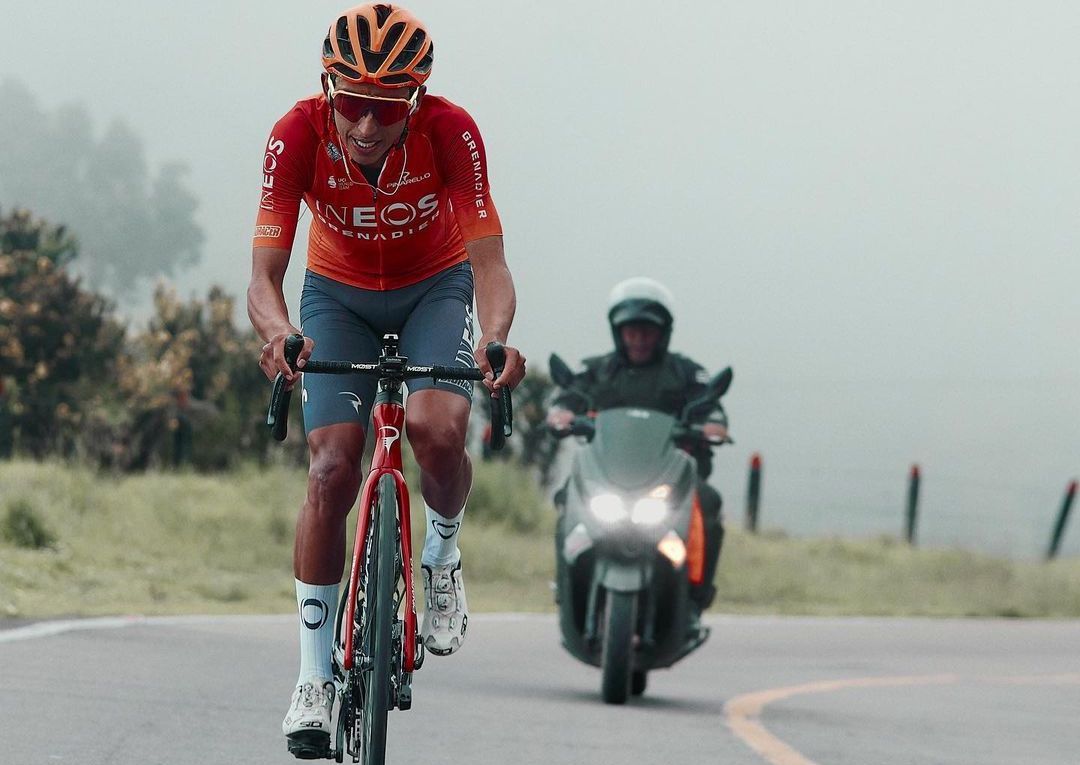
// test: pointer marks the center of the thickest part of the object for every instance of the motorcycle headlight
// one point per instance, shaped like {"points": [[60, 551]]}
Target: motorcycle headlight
{"points": [[608, 508], [649, 511]]}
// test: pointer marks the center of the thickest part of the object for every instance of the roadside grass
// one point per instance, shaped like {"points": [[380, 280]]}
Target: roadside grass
{"points": [[770, 573], [73, 542], [168, 543]]}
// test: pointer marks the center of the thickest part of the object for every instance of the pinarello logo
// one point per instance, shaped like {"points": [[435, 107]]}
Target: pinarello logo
{"points": [[273, 232], [406, 179]]}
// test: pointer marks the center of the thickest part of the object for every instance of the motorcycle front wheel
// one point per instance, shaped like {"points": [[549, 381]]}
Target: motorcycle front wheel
{"points": [[620, 618]]}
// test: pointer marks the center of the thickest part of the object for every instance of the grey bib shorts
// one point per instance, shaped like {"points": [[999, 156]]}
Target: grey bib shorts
{"points": [[433, 319]]}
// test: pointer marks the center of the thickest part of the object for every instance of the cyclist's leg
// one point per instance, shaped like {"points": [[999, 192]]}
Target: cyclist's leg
{"points": [[439, 331], [335, 410]]}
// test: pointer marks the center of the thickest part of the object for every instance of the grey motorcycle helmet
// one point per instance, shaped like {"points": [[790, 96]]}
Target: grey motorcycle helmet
{"points": [[641, 299]]}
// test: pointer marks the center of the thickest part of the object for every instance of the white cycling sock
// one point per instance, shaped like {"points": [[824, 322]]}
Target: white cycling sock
{"points": [[317, 606], [440, 542]]}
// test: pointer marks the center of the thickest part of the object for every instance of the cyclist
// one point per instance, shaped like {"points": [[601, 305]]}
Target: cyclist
{"points": [[403, 226], [642, 372]]}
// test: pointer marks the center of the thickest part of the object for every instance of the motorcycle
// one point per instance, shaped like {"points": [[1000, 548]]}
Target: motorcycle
{"points": [[626, 553]]}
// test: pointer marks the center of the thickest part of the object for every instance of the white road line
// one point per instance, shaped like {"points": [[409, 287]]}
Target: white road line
{"points": [[53, 628]]}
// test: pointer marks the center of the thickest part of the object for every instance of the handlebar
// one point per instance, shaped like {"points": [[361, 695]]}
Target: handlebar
{"points": [[696, 433], [280, 396], [397, 369], [502, 407], [583, 425]]}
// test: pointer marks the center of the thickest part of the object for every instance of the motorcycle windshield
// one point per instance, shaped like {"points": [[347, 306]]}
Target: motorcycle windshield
{"points": [[633, 446]]}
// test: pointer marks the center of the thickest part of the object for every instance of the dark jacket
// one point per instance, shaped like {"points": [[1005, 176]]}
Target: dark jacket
{"points": [[666, 386]]}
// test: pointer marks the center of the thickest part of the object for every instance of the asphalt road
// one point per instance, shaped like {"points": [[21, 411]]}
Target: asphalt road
{"points": [[787, 691]]}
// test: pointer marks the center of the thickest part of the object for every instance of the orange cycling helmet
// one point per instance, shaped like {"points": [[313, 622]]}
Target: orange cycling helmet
{"points": [[379, 43]]}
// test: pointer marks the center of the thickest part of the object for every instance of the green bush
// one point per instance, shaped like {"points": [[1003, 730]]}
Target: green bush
{"points": [[58, 340], [24, 527]]}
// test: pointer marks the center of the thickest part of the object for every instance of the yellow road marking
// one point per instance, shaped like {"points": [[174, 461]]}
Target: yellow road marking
{"points": [[743, 713]]}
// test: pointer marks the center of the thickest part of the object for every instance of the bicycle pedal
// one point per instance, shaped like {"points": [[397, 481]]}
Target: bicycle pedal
{"points": [[309, 745], [405, 693]]}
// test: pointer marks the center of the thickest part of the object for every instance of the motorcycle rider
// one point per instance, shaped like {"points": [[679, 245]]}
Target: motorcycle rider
{"points": [[642, 372]]}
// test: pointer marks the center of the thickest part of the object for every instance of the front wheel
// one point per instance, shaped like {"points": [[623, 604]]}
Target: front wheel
{"points": [[379, 622], [620, 618]]}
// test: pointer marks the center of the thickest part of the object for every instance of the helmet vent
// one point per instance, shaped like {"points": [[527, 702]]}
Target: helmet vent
{"points": [[423, 66], [391, 80], [347, 72], [382, 13], [372, 60], [364, 32], [343, 41], [392, 36], [408, 53]]}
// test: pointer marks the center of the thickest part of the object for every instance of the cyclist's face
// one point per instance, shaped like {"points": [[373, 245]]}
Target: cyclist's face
{"points": [[367, 140], [640, 338]]}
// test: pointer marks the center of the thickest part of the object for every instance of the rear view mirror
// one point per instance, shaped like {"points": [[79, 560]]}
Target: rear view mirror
{"points": [[714, 389], [560, 372], [719, 384], [564, 377]]}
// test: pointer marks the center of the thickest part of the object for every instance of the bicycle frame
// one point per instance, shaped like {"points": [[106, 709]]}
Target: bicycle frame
{"points": [[388, 422]]}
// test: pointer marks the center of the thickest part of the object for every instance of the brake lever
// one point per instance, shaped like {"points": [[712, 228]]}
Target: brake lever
{"points": [[502, 407], [277, 417]]}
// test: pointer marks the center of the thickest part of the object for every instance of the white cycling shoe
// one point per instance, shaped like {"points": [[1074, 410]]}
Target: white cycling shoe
{"points": [[446, 613], [307, 724]]}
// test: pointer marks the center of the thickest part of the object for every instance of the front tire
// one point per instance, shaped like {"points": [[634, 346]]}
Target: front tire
{"points": [[379, 622], [620, 619]]}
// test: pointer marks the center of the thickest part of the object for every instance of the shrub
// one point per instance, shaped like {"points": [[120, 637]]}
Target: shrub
{"points": [[24, 527]]}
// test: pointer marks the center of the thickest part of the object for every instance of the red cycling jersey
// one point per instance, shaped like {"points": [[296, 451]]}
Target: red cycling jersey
{"points": [[433, 196]]}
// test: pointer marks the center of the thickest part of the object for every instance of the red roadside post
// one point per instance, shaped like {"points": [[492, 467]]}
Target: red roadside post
{"points": [[1063, 517], [753, 493], [912, 504]]}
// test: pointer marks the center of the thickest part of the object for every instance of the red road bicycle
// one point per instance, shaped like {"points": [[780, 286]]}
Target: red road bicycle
{"points": [[377, 646]]}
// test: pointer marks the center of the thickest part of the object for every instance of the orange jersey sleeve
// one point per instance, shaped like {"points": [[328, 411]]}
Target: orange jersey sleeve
{"points": [[288, 171], [462, 164]]}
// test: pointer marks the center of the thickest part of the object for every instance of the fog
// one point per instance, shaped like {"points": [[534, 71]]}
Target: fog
{"points": [[868, 209]]}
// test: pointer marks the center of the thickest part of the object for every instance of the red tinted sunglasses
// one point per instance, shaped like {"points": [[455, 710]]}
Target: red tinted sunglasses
{"points": [[386, 111]]}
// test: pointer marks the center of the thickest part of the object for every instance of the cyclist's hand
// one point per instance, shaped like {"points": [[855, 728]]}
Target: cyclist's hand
{"points": [[513, 373], [272, 359]]}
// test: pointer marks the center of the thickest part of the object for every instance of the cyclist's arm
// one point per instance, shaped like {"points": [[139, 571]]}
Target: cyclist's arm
{"points": [[496, 303], [462, 163], [288, 167], [496, 300], [265, 295], [268, 312]]}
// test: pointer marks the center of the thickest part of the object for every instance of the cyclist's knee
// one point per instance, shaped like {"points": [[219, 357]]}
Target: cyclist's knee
{"points": [[334, 474], [437, 438], [332, 477]]}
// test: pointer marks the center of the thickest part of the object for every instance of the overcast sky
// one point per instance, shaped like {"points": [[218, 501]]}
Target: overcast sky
{"points": [[869, 209]]}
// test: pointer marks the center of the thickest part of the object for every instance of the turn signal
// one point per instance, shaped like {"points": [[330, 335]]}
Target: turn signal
{"points": [[672, 548]]}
